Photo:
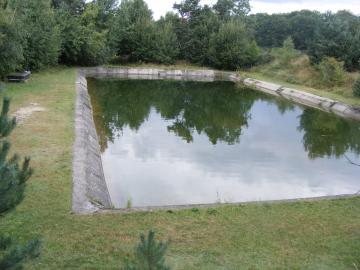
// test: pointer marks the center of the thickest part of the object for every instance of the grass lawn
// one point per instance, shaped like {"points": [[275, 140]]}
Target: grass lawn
{"points": [[302, 235]]}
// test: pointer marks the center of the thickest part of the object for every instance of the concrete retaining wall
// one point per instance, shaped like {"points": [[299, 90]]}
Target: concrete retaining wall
{"points": [[325, 104], [158, 74], [90, 193]]}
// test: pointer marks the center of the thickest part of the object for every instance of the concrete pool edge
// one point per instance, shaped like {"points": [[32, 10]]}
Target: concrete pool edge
{"points": [[305, 98], [90, 192], [215, 205]]}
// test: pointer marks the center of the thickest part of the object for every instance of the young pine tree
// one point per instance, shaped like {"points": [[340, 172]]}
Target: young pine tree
{"points": [[287, 52], [149, 254], [13, 177]]}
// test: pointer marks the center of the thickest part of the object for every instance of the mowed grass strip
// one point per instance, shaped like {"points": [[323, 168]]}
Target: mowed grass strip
{"points": [[302, 235]]}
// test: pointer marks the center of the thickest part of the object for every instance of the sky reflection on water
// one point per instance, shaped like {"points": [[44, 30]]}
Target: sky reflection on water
{"points": [[164, 143]]}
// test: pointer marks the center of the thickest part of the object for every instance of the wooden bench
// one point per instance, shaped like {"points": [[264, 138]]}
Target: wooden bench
{"points": [[18, 76]]}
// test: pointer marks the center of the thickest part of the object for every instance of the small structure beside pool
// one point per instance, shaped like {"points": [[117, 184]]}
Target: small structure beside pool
{"points": [[18, 76]]}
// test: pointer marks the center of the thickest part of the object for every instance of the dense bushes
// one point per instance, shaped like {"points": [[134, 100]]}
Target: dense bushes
{"points": [[166, 44], [269, 30], [136, 37], [76, 32], [231, 48], [319, 35], [332, 71], [11, 50], [292, 66], [38, 33], [84, 34], [337, 36], [29, 36], [286, 53], [41, 45], [195, 30], [356, 88]]}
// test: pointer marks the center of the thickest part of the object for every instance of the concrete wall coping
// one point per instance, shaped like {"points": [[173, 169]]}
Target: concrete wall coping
{"points": [[308, 99], [90, 193]]}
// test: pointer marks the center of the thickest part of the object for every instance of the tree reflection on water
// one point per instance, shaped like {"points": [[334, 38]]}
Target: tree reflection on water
{"points": [[221, 110]]}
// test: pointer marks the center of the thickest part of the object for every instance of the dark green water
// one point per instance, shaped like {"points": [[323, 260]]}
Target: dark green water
{"points": [[175, 142]]}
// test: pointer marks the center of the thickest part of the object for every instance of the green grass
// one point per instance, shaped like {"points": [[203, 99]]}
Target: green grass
{"points": [[300, 74], [302, 235], [344, 95]]}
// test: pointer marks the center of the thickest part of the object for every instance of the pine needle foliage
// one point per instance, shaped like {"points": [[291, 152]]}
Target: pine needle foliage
{"points": [[6, 124], [13, 255], [13, 177], [149, 254]]}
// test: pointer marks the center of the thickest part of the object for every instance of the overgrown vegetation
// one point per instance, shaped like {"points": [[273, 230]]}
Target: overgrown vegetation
{"points": [[231, 48], [288, 65], [13, 177], [318, 34], [332, 72], [38, 33]]}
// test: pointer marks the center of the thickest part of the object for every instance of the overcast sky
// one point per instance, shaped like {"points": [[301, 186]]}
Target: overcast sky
{"points": [[160, 7]]}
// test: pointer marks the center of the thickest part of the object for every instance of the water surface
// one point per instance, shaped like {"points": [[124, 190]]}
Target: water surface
{"points": [[176, 142]]}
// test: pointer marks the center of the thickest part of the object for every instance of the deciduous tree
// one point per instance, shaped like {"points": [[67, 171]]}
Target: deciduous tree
{"points": [[231, 47]]}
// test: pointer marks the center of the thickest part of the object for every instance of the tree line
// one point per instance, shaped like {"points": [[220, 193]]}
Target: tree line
{"points": [[38, 33]]}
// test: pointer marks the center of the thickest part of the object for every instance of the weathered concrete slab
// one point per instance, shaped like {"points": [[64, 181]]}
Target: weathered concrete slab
{"points": [[308, 99], [90, 192], [152, 73], [266, 87]]}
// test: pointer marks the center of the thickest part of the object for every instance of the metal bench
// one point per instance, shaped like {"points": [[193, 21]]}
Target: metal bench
{"points": [[18, 76]]}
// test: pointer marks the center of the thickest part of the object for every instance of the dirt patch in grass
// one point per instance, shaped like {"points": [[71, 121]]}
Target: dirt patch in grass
{"points": [[25, 112]]}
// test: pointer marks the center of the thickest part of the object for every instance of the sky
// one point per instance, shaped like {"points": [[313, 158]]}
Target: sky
{"points": [[160, 7]]}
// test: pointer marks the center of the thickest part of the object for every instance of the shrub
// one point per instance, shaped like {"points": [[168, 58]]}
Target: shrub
{"points": [[265, 57], [356, 88], [231, 47], [286, 53], [42, 37], [149, 254], [166, 44], [332, 71], [11, 49], [83, 43]]}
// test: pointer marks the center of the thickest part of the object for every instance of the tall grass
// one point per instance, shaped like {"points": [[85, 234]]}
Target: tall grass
{"points": [[296, 68]]}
